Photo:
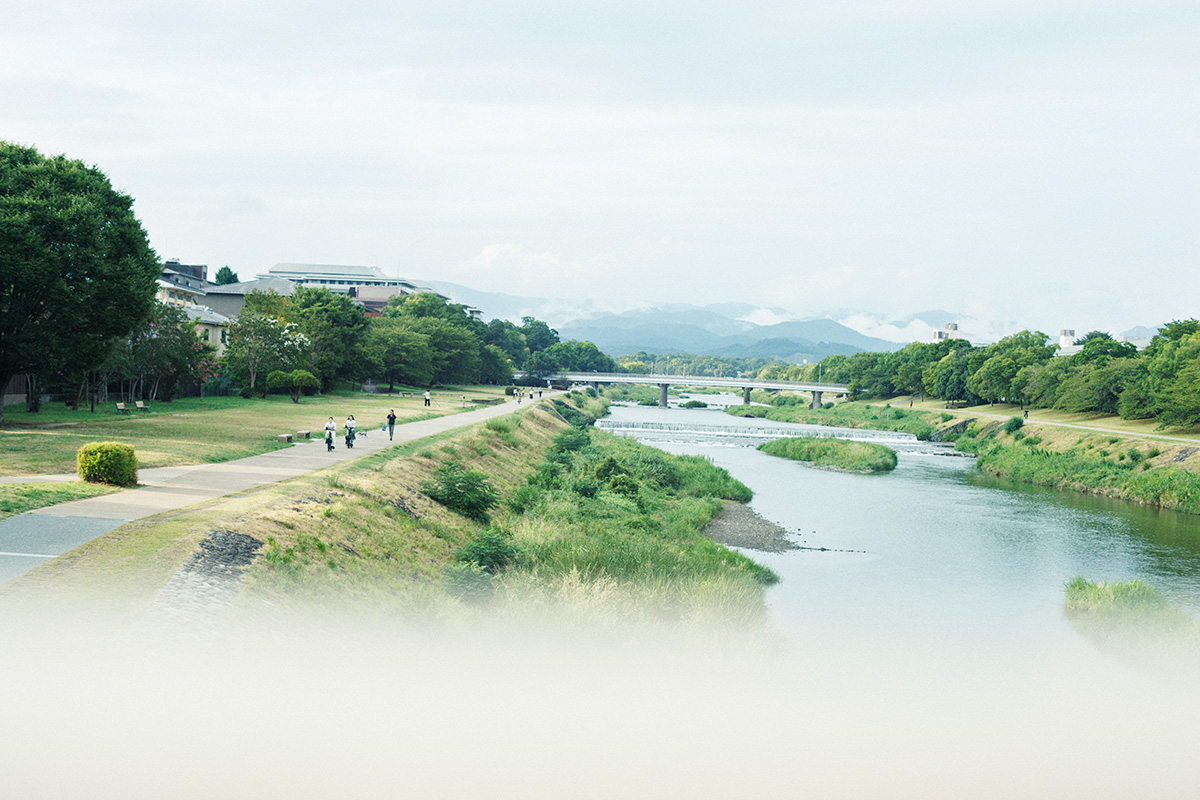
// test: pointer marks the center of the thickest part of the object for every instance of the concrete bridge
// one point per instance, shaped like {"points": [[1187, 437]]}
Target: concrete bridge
{"points": [[664, 381]]}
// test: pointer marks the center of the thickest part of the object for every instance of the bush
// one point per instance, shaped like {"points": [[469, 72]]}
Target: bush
{"points": [[468, 582], [1013, 425], [107, 462], [492, 550], [463, 490], [694, 404]]}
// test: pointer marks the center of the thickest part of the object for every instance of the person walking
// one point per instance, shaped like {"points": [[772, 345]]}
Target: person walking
{"points": [[350, 431], [391, 423], [330, 428], [427, 396]]}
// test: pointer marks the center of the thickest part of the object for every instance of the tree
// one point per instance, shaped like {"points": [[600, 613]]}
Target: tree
{"points": [[401, 355], [508, 337], [453, 349], [336, 331], [258, 344], [538, 335], [76, 267], [226, 276], [294, 383]]}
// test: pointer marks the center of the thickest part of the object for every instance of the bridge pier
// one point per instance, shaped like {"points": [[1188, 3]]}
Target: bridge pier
{"points": [[745, 395], [596, 385], [816, 401], [662, 394]]}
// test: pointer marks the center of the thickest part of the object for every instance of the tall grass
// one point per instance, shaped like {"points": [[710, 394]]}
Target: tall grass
{"points": [[833, 453], [1130, 615]]}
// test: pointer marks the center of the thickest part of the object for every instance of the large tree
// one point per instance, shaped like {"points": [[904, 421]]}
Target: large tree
{"points": [[76, 267]]}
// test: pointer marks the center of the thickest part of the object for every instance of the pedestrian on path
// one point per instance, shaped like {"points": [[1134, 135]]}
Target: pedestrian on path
{"points": [[427, 396], [391, 423]]}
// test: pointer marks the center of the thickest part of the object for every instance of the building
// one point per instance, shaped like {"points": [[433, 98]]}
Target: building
{"points": [[230, 298], [180, 289], [948, 332], [368, 287], [212, 326]]}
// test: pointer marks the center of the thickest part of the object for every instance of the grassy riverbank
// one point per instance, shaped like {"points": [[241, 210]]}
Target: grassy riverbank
{"points": [[586, 526], [828, 453], [1146, 471], [202, 430]]}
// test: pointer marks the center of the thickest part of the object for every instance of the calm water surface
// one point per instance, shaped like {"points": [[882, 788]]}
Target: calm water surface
{"points": [[935, 565]]}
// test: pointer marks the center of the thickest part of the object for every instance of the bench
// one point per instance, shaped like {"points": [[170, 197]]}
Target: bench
{"points": [[121, 407], [284, 437], [303, 434], [141, 406]]}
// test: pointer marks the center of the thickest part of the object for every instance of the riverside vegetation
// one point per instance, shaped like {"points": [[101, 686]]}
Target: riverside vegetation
{"points": [[828, 453], [528, 516], [1131, 618]]}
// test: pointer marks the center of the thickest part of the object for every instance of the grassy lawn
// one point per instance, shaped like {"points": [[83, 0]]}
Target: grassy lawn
{"points": [[196, 431], [1133, 427], [17, 498]]}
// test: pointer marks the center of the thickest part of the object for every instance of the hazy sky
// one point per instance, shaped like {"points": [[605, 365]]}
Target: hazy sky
{"points": [[1030, 160]]}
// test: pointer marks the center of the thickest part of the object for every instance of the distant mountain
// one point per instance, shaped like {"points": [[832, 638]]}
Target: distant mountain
{"points": [[706, 331]]}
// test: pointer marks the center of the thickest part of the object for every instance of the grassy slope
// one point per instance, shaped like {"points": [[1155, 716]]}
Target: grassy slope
{"points": [[1102, 455], [194, 430], [362, 533]]}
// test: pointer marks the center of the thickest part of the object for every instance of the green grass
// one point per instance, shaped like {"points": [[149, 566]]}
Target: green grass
{"points": [[195, 430], [1087, 469], [857, 414], [833, 453], [1131, 617], [17, 498]]}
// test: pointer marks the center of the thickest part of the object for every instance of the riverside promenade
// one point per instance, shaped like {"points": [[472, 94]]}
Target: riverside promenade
{"points": [[32, 538]]}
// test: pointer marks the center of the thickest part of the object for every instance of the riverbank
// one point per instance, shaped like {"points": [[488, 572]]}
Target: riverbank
{"points": [[739, 525], [1129, 464], [600, 530]]}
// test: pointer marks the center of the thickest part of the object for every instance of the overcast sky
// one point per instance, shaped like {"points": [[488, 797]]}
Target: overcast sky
{"points": [[1029, 160]]}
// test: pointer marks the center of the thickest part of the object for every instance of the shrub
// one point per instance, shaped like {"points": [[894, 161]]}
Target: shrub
{"points": [[107, 462], [492, 550], [694, 404], [1152, 452], [1013, 425], [571, 440], [463, 490], [827, 405], [468, 582]]}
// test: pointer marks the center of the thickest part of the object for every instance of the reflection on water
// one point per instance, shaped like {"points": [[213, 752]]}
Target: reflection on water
{"points": [[947, 562]]}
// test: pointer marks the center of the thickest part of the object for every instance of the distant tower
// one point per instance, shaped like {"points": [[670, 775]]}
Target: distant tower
{"points": [[1066, 337]]}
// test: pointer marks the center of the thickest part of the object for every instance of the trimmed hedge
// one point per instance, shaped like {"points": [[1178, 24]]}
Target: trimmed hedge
{"points": [[107, 462]]}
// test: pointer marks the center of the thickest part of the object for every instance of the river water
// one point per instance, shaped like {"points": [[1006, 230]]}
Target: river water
{"points": [[934, 566]]}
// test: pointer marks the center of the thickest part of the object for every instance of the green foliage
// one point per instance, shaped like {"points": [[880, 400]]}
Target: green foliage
{"points": [[1013, 425], [468, 582], [294, 383], [1129, 614], [76, 268], [493, 550], [466, 491], [833, 453], [226, 276], [694, 404], [113, 463]]}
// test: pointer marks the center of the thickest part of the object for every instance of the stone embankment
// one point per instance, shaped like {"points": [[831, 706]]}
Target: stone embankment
{"points": [[194, 598]]}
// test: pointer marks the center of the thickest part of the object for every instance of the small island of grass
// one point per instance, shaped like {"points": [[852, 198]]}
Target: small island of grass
{"points": [[830, 453]]}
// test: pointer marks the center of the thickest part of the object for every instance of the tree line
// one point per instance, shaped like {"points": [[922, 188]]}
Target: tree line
{"points": [[78, 313], [1104, 377]]}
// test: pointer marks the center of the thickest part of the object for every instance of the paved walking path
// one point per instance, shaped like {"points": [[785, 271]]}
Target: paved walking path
{"points": [[35, 537]]}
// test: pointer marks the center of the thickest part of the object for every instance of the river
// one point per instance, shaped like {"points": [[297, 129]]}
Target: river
{"points": [[934, 565]]}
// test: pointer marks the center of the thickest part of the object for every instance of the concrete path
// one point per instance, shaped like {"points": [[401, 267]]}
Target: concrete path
{"points": [[34, 537]]}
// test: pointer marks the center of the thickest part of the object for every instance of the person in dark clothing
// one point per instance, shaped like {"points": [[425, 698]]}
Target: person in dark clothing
{"points": [[391, 423]]}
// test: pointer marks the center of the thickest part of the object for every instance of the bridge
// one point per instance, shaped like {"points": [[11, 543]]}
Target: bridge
{"points": [[664, 381]]}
